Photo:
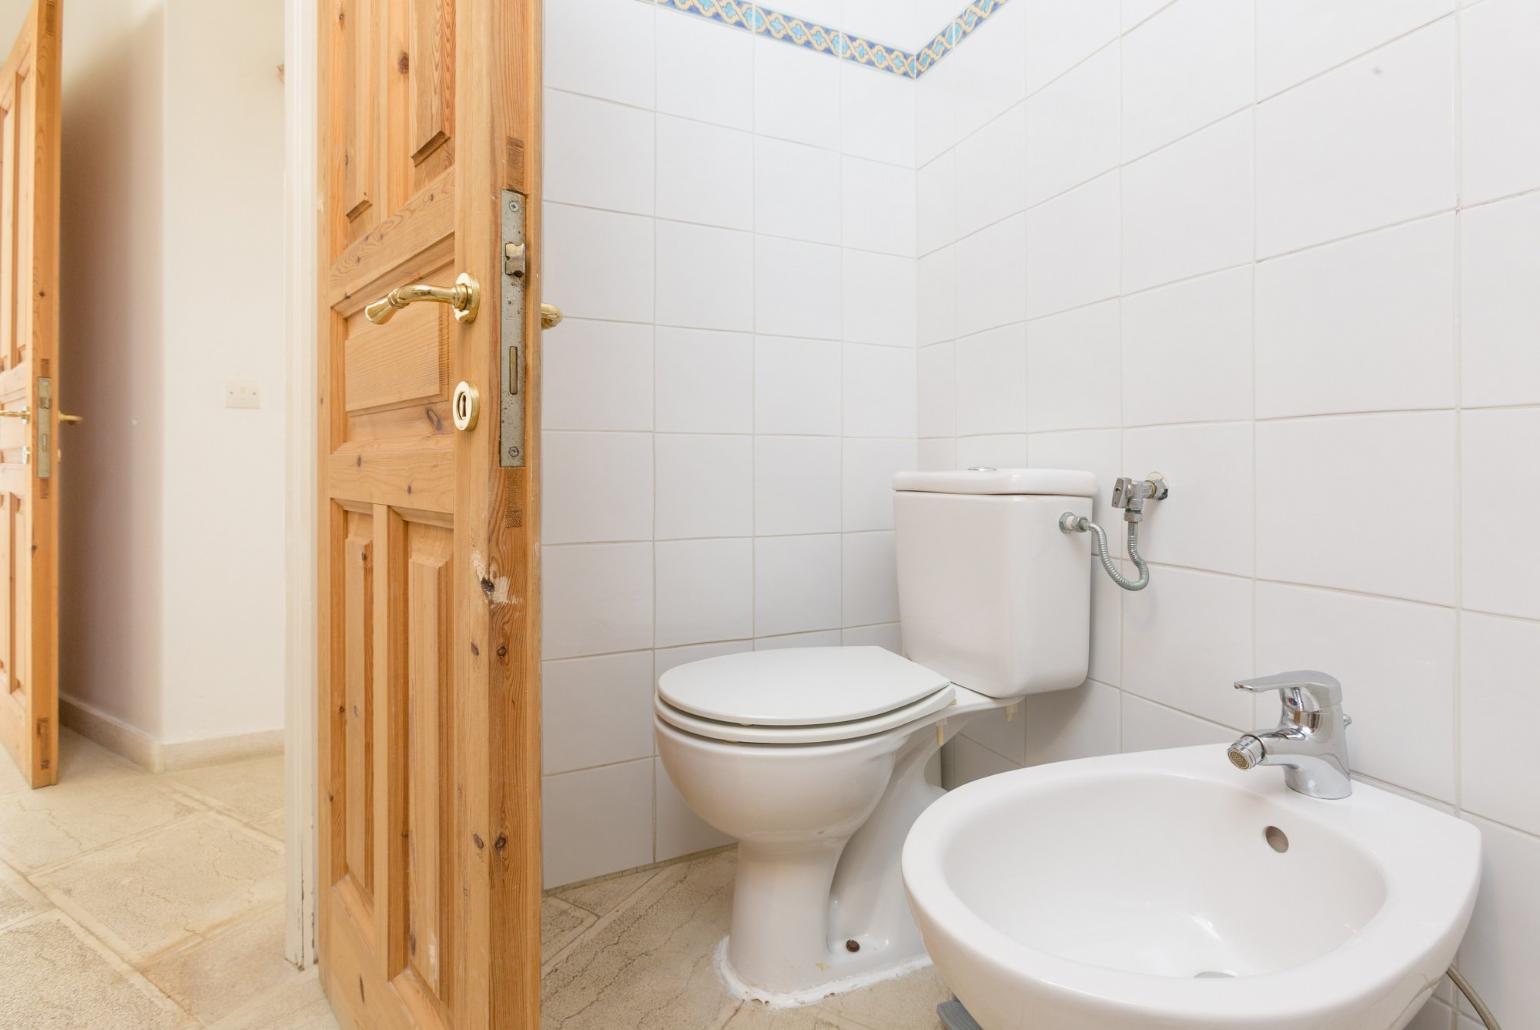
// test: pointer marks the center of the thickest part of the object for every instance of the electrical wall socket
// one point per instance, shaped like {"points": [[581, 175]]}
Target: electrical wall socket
{"points": [[242, 395]]}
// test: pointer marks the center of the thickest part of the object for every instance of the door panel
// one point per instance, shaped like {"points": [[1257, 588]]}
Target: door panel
{"points": [[29, 386], [429, 656]]}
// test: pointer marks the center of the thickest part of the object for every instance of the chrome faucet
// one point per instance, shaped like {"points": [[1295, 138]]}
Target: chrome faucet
{"points": [[1310, 741]]}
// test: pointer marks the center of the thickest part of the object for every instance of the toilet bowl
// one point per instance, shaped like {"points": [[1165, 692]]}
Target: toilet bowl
{"points": [[819, 808], [814, 759]]}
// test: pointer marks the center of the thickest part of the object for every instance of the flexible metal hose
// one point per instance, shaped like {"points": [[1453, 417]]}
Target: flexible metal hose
{"points": [[1487, 1019], [1071, 524]]}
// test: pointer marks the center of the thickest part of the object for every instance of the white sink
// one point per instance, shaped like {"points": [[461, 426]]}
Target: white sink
{"points": [[1145, 890]]}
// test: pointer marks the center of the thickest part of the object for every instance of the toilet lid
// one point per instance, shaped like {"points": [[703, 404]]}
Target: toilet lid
{"points": [[832, 733], [802, 686]]}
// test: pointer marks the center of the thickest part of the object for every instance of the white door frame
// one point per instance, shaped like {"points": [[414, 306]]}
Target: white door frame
{"points": [[301, 200]]}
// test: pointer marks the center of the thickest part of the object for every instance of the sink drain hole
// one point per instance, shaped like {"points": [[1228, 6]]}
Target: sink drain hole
{"points": [[1276, 839]]}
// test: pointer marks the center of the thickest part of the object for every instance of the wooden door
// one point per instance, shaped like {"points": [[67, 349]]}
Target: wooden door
{"points": [[29, 390], [429, 847]]}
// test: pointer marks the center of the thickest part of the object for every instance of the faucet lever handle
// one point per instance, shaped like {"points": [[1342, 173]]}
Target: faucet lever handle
{"points": [[1305, 690]]}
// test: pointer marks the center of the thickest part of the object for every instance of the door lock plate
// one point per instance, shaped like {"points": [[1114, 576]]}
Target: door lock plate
{"points": [[466, 406], [514, 299]]}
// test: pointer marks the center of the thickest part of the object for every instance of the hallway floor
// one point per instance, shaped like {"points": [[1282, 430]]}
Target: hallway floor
{"points": [[130, 900]]}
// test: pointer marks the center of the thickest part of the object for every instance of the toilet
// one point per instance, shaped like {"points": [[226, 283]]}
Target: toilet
{"points": [[814, 759]]}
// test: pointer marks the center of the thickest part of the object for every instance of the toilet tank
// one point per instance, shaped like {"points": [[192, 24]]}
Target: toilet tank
{"points": [[991, 593]]}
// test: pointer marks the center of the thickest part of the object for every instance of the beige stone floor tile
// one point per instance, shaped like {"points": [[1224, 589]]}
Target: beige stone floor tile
{"points": [[753, 1016], [18, 899], [273, 825], [56, 977], [42, 828], [80, 760], [145, 894], [250, 790], [296, 1006], [603, 895], [216, 975], [560, 924], [904, 1004]]}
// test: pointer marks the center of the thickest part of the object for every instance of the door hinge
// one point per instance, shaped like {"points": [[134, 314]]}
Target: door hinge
{"points": [[45, 758]]}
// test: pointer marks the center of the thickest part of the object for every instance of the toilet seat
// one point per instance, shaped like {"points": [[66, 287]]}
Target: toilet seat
{"points": [[800, 695]]}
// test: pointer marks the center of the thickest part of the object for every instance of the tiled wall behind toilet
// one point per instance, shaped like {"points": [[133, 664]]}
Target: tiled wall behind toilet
{"points": [[730, 231], [1284, 252]]}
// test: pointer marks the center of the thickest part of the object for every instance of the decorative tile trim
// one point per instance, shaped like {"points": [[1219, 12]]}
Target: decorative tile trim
{"points": [[825, 39]]}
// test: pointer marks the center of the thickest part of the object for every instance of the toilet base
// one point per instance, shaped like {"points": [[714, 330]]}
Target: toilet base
{"points": [[818, 992]]}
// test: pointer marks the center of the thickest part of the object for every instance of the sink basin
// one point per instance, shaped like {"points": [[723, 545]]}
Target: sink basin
{"points": [[1168, 889]]}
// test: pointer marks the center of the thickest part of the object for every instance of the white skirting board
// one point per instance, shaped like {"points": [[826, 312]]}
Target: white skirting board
{"points": [[144, 750]]}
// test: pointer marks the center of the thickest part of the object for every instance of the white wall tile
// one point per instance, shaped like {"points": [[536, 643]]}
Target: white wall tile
{"points": [[990, 185], [1187, 353], [1500, 69], [938, 455], [870, 592], [705, 591], [905, 25], [869, 466], [622, 182], [1300, 38], [1396, 662], [796, 584], [796, 288], [1073, 247], [704, 71], [879, 395], [1136, 11], [722, 300], [596, 711], [680, 831], [936, 297], [704, 381], [1187, 209], [1152, 727], [1072, 129], [1186, 640], [702, 170], [878, 207], [599, 378], [1499, 497], [1502, 946], [1386, 298], [596, 487], [876, 115], [1061, 33], [1207, 522], [879, 302], [1499, 709], [1327, 518], [1068, 724], [596, 821], [1106, 665], [796, 94], [797, 386], [796, 191], [963, 761], [1002, 731], [1500, 308], [1190, 65], [885, 635], [1362, 146], [1073, 369], [590, 263], [936, 370], [992, 276], [1004, 450], [597, 598], [601, 48], [988, 72], [991, 378], [705, 486], [796, 485], [936, 215]]}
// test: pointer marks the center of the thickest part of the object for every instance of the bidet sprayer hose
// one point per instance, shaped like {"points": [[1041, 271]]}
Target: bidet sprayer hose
{"points": [[1070, 523]]}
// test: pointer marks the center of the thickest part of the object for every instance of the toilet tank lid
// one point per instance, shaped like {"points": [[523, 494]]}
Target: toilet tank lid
{"points": [[1046, 482]]}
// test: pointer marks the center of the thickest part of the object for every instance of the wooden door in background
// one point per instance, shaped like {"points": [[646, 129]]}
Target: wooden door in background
{"points": [[29, 391], [429, 619]]}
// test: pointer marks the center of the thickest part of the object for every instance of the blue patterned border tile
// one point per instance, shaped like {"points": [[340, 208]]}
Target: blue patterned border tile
{"points": [[825, 39]]}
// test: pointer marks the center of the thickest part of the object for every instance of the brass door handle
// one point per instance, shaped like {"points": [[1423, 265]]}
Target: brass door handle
{"points": [[464, 296], [70, 419], [25, 414], [550, 316]]}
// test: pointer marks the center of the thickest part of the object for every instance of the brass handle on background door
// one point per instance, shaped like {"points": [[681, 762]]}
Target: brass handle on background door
{"points": [[25, 414], [464, 297], [70, 420]]}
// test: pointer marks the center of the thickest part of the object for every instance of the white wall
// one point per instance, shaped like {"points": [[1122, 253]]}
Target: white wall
{"points": [[1284, 253], [172, 591], [730, 231]]}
